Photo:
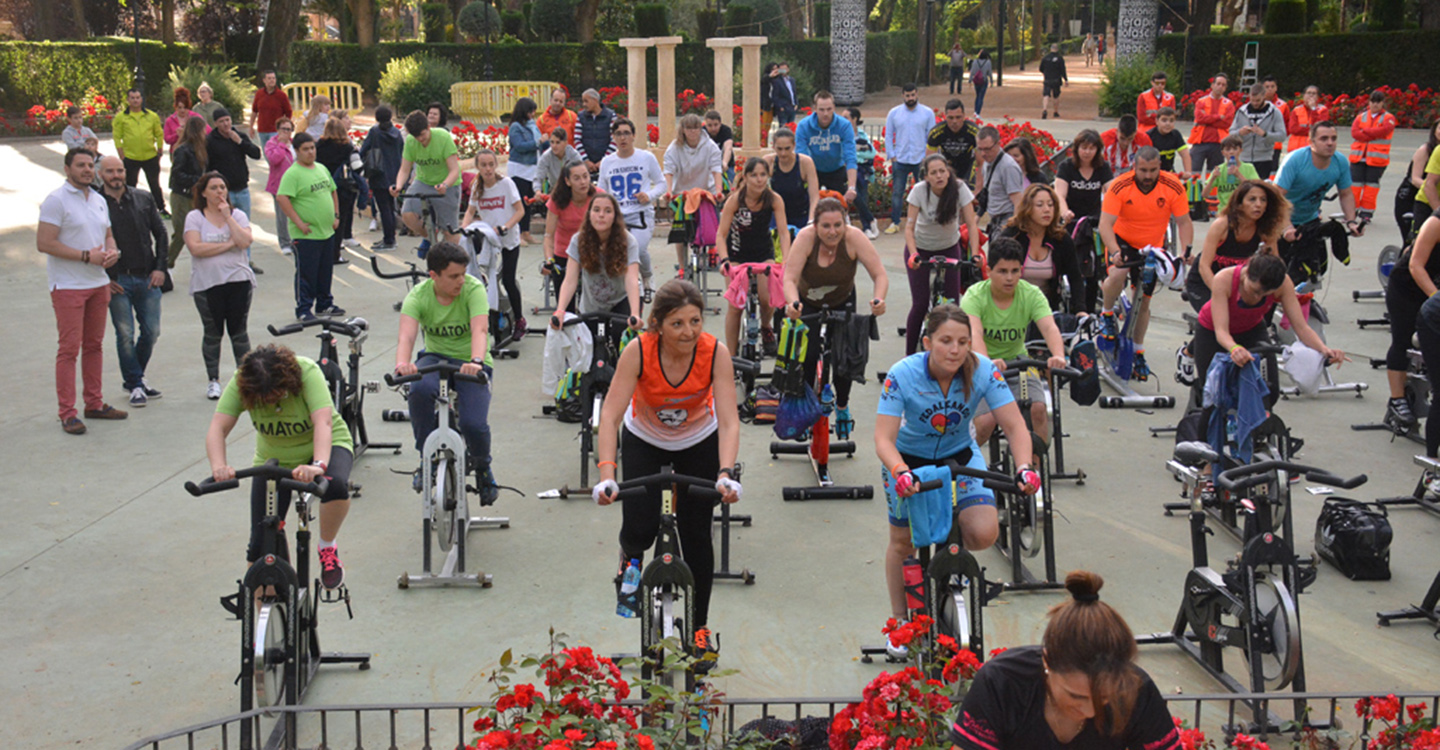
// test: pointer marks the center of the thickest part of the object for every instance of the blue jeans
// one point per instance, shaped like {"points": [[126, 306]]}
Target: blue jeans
{"points": [[862, 198], [264, 138], [241, 199], [784, 115], [314, 270], [137, 301], [980, 96], [899, 171], [473, 403]]}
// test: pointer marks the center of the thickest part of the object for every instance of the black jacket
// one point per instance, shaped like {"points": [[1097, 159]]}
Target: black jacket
{"points": [[391, 142], [1052, 68], [1067, 264], [185, 169], [228, 158], [138, 230]]}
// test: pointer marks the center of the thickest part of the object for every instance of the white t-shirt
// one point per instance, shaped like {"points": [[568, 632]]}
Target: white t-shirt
{"points": [[83, 219], [227, 267], [929, 234], [625, 178], [495, 205]]}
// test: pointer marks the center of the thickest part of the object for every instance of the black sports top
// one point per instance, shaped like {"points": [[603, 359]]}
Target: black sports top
{"points": [[793, 190]]}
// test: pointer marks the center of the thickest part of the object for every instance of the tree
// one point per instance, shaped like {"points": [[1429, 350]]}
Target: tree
{"points": [[363, 13], [282, 21], [1430, 14], [478, 20], [586, 13]]}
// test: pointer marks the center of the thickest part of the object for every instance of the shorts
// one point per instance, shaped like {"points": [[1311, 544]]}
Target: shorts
{"points": [[1035, 385], [447, 207], [1050, 88], [839, 180], [969, 492]]}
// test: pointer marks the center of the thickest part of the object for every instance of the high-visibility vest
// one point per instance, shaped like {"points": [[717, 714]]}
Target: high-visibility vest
{"points": [[1305, 117], [1376, 152]]}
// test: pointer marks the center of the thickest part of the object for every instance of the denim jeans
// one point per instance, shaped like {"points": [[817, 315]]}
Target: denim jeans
{"points": [[136, 302], [265, 138], [473, 409], [241, 199], [899, 171], [980, 96], [862, 198]]}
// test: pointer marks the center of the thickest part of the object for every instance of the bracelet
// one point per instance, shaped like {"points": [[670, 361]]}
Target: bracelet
{"points": [[85, 257], [602, 464], [899, 469], [1233, 347], [1022, 467]]}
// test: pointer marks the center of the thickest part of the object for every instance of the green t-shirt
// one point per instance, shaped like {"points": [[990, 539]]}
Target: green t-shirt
{"points": [[1431, 167], [431, 162], [310, 190], [447, 327], [1225, 183], [1005, 329], [284, 431]]}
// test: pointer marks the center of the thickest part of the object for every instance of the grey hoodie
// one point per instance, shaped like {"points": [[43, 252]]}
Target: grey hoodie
{"points": [[693, 167], [1259, 147]]}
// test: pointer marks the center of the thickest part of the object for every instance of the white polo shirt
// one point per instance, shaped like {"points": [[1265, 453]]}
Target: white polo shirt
{"points": [[83, 219]]}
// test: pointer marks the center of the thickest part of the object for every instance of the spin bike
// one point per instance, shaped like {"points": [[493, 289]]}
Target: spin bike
{"points": [[1258, 591], [700, 259], [346, 390], [594, 384], [1384, 266], [444, 500], [1117, 359], [938, 267], [667, 586], [1308, 264], [485, 261], [752, 349], [277, 604], [1429, 607]]}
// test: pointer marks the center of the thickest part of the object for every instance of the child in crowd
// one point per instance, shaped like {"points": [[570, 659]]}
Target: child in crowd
{"points": [[1231, 172], [1170, 142], [550, 165], [865, 167], [75, 133]]}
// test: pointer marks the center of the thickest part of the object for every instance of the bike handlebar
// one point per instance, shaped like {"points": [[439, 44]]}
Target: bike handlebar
{"points": [[700, 488], [413, 273], [991, 479], [1020, 364], [600, 317], [749, 367], [1249, 475], [268, 470], [352, 327], [448, 368]]}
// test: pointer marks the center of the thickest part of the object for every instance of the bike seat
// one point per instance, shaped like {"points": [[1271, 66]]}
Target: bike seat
{"points": [[1195, 454]]}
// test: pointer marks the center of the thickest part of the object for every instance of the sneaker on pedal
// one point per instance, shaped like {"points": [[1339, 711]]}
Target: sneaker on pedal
{"points": [[894, 652], [1109, 331], [827, 399], [1398, 414], [707, 650], [489, 490], [768, 343], [1140, 370], [843, 423], [1431, 481], [332, 573]]}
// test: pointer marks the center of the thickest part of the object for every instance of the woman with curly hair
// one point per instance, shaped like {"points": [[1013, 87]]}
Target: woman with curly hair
{"points": [[605, 265], [1049, 251], [1250, 223], [288, 400]]}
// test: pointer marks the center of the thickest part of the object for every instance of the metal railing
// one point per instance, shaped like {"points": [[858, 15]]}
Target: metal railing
{"points": [[430, 726]]}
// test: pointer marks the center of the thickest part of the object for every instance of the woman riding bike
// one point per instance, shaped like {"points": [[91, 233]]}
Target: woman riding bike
{"points": [[926, 404], [289, 403], [1250, 223], [674, 391], [1407, 193], [938, 202], [565, 211], [1049, 251], [1079, 689], [606, 267], [793, 178], [744, 237], [1411, 283], [1080, 185], [820, 274]]}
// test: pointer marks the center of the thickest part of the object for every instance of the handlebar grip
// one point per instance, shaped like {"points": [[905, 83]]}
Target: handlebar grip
{"points": [[317, 487], [933, 484], [1341, 482], [391, 379], [476, 378], [634, 493], [210, 485], [746, 366], [285, 330]]}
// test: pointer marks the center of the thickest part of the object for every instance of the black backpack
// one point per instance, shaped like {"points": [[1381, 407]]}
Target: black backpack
{"points": [[374, 168], [1355, 537]]}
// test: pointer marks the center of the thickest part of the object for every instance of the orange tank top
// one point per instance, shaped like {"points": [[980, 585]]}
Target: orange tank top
{"points": [[673, 416]]}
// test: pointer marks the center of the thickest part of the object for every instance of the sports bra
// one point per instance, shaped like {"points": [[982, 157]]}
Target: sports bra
{"points": [[794, 192], [1233, 252]]}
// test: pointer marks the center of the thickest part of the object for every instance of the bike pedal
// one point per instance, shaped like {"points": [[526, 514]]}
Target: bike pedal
{"points": [[231, 604], [338, 595], [371, 386]]}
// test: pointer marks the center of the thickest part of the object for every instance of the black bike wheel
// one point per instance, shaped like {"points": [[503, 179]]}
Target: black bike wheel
{"points": [[449, 488], [272, 630]]}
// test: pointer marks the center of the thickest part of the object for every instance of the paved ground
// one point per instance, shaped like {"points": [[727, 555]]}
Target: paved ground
{"points": [[1019, 97], [109, 571]]}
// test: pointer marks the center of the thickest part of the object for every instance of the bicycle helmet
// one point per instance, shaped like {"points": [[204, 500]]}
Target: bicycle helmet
{"points": [[1169, 270]]}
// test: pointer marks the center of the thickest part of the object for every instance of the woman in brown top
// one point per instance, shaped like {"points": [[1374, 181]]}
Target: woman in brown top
{"points": [[820, 273]]}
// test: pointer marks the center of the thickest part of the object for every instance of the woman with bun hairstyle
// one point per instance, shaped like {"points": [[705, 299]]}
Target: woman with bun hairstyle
{"points": [[1079, 689]]}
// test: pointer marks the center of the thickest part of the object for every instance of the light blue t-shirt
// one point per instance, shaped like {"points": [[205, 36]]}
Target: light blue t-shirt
{"points": [[831, 148], [1305, 186], [936, 425], [906, 131]]}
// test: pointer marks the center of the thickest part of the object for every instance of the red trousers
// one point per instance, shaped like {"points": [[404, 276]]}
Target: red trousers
{"points": [[80, 318]]}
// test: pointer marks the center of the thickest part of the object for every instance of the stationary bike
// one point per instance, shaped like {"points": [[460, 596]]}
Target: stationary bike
{"points": [[595, 382], [277, 604], [1252, 605], [1117, 358], [444, 501], [485, 261], [346, 390]]}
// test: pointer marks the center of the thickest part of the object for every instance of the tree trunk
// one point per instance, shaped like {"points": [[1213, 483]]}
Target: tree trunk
{"points": [[282, 22], [1430, 14], [363, 14], [586, 13], [79, 29], [847, 51], [795, 18], [1135, 34], [887, 14], [1202, 16], [167, 21]]}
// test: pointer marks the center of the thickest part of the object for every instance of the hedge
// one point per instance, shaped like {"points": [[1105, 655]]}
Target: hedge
{"points": [[1285, 17], [45, 72], [1337, 63]]}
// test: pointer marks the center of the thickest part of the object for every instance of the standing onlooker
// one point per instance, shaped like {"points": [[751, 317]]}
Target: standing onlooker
{"points": [[75, 132], [437, 115], [551, 164], [830, 143], [1213, 115], [1003, 179], [907, 126], [139, 139], [557, 115], [957, 69], [310, 201], [724, 138], [1088, 47], [432, 154], [635, 178], [1052, 72], [767, 106], [1301, 118], [271, 103], [495, 200], [1100, 48], [691, 161], [135, 280], [228, 149], [221, 280], [593, 130], [980, 71], [1152, 100], [387, 139], [337, 155], [175, 125], [1261, 125], [74, 231], [187, 164], [525, 145], [1370, 132], [784, 99], [316, 116], [955, 138], [1272, 95], [207, 106], [864, 167], [279, 154]]}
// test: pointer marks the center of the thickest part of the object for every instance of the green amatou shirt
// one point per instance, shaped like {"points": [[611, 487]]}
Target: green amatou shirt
{"points": [[284, 431], [447, 327], [1005, 329], [311, 192], [431, 162]]}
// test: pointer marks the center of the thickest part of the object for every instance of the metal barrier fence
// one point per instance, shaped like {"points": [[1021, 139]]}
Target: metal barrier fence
{"points": [[344, 95], [448, 725]]}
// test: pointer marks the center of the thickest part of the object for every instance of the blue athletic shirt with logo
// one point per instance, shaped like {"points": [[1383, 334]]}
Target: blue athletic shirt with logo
{"points": [[1305, 186], [933, 424]]}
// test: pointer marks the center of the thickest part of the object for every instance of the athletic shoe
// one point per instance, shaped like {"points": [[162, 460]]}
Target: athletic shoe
{"points": [[105, 411], [707, 650], [893, 228], [73, 426], [423, 249], [1109, 331], [256, 270], [894, 652], [287, 250], [827, 399], [335, 311], [150, 392], [1140, 370], [213, 390], [872, 232], [1430, 480], [342, 261], [1184, 365], [137, 398], [1398, 413], [489, 490], [417, 482], [381, 247], [373, 225], [332, 573], [165, 214], [522, 327], [768, 343], [305, 317], [353, 243], [1045, 114], [843, 423]]}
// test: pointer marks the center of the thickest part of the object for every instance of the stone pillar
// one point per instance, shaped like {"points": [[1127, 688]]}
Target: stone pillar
{"points": [[847, 52], [1136, 33], [750, 93], [635, 65], [725, 76], [665, 86]]}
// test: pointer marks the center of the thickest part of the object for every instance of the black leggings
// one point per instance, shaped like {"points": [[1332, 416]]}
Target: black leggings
{"points": [[527, 191], [692, 518], [338, 472], [224, 307], [919, 278], [1403, 306], [509, 262], [812, 358], [151, 168], [1205, 346], [347, 222], [1428, 328]]}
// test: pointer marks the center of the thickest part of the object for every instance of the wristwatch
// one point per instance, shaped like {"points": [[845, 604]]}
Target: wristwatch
{"points": [[323, 466]]}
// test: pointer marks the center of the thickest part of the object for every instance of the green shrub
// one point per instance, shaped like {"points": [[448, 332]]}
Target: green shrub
{"points": [[767, 18], [230, 89], [1124, 80], [1285, 17], [822, 20], [411, 82], [552, 20], [433, 19], [739, 20], [44, 72], [478, 20], [513, 23], [707, 22], [1387, 15], [1217, 28], [652, 19]]}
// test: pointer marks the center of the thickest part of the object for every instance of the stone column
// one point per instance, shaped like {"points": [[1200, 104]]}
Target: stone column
{"points": [[635, 65], [750, 93], [725, 76], [847, 52], [1136, 33], [665, 87]]}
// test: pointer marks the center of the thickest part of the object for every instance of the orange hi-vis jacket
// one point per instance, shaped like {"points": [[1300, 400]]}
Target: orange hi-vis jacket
{"points": [[1299, 122], [1372, 134], [1148, 104], [1212, 120]]}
